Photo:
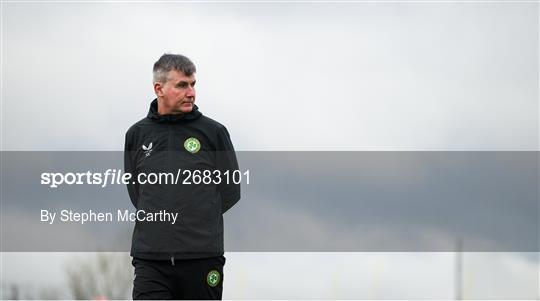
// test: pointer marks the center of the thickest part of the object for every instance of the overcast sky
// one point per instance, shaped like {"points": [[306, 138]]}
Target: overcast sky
{"points": [[288, 76], [280, 76]]}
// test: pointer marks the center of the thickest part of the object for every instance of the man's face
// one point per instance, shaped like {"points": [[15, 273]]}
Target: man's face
{"points": [[177, 95]]}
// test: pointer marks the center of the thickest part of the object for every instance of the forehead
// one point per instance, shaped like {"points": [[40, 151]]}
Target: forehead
{"points": [[177, 76]]}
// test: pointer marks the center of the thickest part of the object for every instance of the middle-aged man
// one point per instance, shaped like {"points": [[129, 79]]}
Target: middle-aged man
{"points": [[182, 258]]}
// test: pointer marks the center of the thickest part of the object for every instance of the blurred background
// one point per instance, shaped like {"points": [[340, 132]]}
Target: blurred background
{"points": [[399, 76]]}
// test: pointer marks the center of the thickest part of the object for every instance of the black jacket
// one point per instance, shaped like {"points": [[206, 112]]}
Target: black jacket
{"points": [[156, 144]]}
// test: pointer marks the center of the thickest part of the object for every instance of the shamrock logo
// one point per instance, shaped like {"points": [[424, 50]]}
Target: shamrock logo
{"points": [[213, 278], [192, 145]]}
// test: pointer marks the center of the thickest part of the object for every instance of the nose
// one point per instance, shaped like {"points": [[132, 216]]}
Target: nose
{"points": [[190, 92]]}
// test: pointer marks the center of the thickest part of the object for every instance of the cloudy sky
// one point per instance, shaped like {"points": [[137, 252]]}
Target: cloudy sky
{"points": [[289, 76], [280, 76]]}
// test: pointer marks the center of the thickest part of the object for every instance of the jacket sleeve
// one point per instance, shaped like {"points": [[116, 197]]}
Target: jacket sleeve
{"points": [[130, 167], [226, 161]]}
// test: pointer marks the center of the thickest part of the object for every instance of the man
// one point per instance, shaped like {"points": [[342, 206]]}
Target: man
{"points": [[182, 259]]}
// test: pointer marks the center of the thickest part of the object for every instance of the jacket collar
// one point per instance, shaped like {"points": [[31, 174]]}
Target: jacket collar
{"points": [[154, 115]]}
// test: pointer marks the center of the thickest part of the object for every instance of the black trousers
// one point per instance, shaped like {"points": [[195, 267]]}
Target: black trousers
{"points": [[191, 279]]}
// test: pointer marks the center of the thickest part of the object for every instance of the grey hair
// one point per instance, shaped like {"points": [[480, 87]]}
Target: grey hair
{"points": [[168, 62]]}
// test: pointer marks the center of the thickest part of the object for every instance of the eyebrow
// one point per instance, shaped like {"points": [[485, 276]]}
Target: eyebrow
{"points": [[185, 82]]}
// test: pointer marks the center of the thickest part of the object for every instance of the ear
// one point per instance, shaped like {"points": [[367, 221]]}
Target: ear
{"points": [[158, 89]]}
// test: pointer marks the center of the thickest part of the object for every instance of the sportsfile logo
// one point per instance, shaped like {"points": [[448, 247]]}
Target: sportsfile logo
{"points": [[117, 177], [147, 149]]}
